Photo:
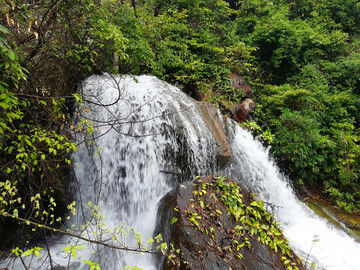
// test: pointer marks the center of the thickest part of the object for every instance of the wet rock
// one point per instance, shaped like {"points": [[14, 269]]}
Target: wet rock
{"points": [[350, 223], [242, 111], [240, 84], [203, 235], [212, 119], [59, 267]]}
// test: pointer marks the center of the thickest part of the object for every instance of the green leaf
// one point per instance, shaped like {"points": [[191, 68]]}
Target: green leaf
{"points": [[79, 247], [4, 29], [27, 253], [4, 105], [73, 252], [202, 204], [174, 220], [17, 251], [254, 203], [261, 204], [37, 253], [12, 55], [88, 262]]}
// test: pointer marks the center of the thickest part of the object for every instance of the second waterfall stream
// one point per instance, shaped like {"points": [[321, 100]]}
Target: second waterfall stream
{"points": [[147, 137]]}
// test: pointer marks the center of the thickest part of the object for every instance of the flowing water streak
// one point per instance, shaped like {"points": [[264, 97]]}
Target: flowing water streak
{"points": [[335, 249]]}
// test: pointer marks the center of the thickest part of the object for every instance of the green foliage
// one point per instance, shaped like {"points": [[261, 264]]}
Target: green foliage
{"points": [[285, 45], [35, 251], [12, 73], [314, 118], [265, 136], [29, 152], [196, 45], [344, 13], [300, 142], [132, 267], [193, 44], [251, 216], [315, 129], [93, 265], [32, 152], [73, 250], [342, 74], [10, 68], [252, 220]]}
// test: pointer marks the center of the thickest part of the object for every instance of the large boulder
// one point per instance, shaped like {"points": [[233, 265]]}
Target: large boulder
{"points": [[241, 85], [213, 223], [244, 107]]}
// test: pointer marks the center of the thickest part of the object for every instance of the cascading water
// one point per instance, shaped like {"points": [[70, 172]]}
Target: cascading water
{"points": [[131, 167], [251, 163], [149, 137]]}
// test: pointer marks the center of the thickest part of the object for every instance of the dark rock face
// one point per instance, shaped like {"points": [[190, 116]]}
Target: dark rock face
{"points": [[242, 111], [240, 84], [203, 235]]}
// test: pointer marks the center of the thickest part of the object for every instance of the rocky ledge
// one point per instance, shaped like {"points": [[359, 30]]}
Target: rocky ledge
{"points": [[214, 223]]}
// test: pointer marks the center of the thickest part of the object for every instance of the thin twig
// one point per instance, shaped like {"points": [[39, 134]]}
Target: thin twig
{"points": [[28, 222]]}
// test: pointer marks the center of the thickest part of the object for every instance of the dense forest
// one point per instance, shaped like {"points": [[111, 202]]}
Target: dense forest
{"points": [[301, 57]]}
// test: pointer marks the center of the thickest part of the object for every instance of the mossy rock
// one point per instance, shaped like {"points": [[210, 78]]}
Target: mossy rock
{"points": [[214, 223]]}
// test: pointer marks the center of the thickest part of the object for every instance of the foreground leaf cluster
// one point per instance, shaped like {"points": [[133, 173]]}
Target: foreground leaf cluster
{"points": [[252, 221]]}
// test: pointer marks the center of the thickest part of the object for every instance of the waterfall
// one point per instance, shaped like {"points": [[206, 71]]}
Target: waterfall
{"points": [[147, 137], [154, 139], [131, 167], [251, 163]]}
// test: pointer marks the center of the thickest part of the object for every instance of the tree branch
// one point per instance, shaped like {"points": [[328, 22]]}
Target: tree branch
{"points": [[28, 222]]}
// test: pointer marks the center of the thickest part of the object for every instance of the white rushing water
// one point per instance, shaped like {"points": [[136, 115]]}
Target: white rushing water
{"points": [[149, 140], [152, 134], [135, 190], [334, 250]]}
